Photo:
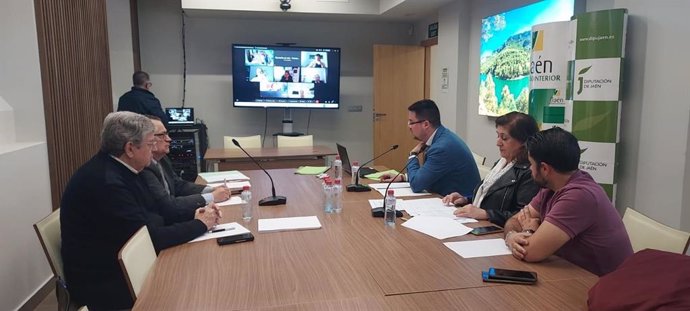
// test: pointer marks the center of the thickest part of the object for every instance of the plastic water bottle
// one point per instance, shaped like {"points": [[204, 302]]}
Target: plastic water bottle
{"points": [[246, 196], [328, 194], [337, 168], [338, 196], [355, 171], [389, 216]]}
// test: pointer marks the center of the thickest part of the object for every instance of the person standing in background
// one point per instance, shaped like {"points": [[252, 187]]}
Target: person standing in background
{"points": [[140, 99]]}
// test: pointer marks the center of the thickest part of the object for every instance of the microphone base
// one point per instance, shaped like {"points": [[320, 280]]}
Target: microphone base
{"points": [[357, 188], [274, 200]]}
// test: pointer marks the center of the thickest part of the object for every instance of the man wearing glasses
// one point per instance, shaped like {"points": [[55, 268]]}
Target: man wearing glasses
{"points": [[448, 163], [105, 202], [166, 186]]}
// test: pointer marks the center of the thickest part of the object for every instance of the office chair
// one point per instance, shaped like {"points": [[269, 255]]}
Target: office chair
{"points": [[136, 258], [645, 232], [245, 142], [49, 233], [296, 141], [480, 160]]}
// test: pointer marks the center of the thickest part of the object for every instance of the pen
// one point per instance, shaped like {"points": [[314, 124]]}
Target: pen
{"points": [[222, 229], [225, 182], [405, 219]]}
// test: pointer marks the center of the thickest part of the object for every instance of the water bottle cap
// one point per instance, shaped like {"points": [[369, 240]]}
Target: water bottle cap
{"points": [[355, 163], [391, 192], [245, 187], [337, 181], [329, 182], [337, 157]]}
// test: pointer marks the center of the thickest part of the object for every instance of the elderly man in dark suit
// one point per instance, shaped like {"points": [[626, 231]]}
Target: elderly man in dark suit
{"points": [[165, 185], [106, 201]]}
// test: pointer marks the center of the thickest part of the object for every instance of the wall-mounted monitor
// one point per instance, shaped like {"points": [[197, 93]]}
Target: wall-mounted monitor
{"points": [[506, 46], [285, 76]]}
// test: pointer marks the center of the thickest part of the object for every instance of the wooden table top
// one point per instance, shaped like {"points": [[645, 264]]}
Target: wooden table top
{"points": [[353, 262], [269, 153]]}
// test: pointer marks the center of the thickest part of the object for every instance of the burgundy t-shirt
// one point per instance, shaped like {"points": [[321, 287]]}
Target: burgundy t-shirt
{"points": [[598, 240]]}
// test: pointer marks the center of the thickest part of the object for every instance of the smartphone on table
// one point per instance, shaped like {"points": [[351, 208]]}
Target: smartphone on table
{"points": [[239, 238], [486, 230], [509, 276]]}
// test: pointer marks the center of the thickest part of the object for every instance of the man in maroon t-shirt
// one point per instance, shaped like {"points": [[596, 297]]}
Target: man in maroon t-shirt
{"points": [[571, 216]]}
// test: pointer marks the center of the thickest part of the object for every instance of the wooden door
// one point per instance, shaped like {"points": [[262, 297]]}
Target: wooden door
{"points": [[398, 83]]}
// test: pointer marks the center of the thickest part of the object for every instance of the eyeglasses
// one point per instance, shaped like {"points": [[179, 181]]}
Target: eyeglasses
{"points": [[414, 122], [152, 143], [160, 135]]}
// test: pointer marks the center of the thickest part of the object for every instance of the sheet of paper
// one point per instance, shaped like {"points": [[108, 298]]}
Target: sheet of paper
{"points": [[232, 228], [289, 223], [438, 227], [399, 204], [232, 185], [377, 176], [479, 248], [433, 207], [311, 170], [233, 200], [403, 192], [394, 185], [211, 177]]}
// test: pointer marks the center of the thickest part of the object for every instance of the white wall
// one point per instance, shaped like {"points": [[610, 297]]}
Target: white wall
{"points": [[25, 189], [209, 80], [655, 171], [120, 46]]}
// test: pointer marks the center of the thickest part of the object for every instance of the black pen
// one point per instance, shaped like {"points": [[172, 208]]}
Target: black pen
{"points": [[222, 229]]}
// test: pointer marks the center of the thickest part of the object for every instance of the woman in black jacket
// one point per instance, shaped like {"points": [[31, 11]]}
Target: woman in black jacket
{"points": [[509, 186]]}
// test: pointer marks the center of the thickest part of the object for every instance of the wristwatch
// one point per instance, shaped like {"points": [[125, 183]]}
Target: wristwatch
{"points": [[530, 231], [414, 153]]}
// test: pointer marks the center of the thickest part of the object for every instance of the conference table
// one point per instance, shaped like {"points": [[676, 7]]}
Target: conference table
{"points": [[354, 262], [270, 157]]}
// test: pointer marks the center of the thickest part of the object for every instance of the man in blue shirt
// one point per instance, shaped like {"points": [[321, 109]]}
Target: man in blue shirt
{"points": [[448, 162], [140, 99]]}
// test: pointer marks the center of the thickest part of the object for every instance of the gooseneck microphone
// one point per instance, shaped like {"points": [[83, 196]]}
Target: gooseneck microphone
{"points": [[273, 199], [356, 187]]}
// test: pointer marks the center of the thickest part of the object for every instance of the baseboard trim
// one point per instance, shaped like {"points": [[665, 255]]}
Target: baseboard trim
{"points": [[38, 296]]}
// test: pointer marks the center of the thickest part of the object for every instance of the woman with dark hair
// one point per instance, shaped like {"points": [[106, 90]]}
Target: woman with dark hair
{"points": [[509, 186]]}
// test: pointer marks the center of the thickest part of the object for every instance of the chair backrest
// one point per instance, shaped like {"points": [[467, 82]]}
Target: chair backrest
{"points": [[645, 232], [296, 141], [48, 231], [483, 171], [136, 258], [480, 160], [246, 142]]}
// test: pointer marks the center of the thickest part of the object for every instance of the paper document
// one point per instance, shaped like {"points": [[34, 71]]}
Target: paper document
{"points": [[232, 185], [479, 248], [234, 200], [377, 176], [289, 223], [433, 207], [403, 192], [399, 204], [229, 229], [438, 227], [311, 170], [394, 185], [211, 177]]}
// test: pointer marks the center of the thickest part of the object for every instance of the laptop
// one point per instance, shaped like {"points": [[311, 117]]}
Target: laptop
{"points": [[347, 165], [180, 115]]}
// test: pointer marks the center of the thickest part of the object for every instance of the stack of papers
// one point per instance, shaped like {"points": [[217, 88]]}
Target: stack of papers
{"points": [[433, 207], [289, 223], [311, 170], [212, 177], [232, 185], [479, 248], [229, 229], [234, 200], [438, 227], [402, 189], [377, 176]]}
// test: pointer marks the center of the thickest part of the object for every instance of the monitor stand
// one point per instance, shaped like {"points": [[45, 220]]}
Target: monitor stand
{"points": [[287, 125]]}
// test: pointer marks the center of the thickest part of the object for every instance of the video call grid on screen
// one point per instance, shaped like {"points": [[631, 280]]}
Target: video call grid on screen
{"points": [[297, 77]]}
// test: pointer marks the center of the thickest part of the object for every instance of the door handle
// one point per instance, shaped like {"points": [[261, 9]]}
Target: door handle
{"points": [[378, 115]]}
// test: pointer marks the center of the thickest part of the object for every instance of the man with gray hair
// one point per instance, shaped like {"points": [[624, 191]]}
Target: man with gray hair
{"points": [[106, 201]]}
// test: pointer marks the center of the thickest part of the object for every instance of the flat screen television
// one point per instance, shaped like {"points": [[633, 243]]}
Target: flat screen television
{"points": [[285, 76]]}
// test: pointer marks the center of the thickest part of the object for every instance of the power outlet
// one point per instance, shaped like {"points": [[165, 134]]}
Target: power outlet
{"points": [[354, 108]]}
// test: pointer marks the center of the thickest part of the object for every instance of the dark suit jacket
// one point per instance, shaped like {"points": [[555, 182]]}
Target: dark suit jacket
{"points": [[448, 166], [510, 193], [183, 194], [143, 102], [103, 205]]}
